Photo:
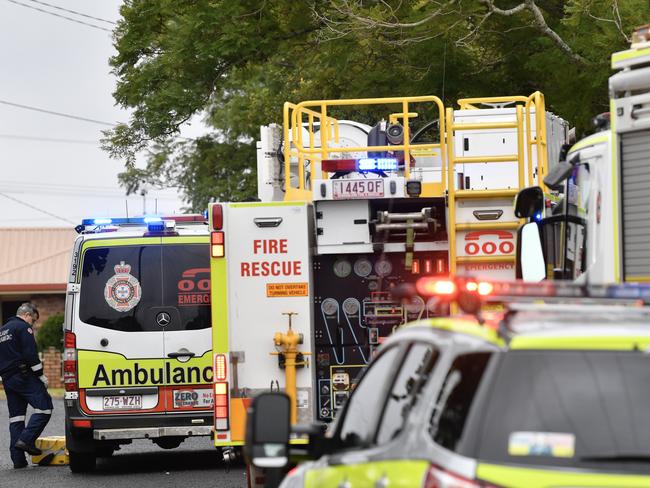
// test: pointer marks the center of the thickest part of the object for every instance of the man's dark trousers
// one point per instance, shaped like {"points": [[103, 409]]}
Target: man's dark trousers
{"points": [[21, 390]]}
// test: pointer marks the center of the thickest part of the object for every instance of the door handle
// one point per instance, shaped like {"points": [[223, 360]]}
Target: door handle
{"points": [[181, 354], [267, 221]]}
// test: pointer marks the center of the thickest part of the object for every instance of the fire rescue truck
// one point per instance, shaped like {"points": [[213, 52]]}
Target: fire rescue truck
{"points": [[598, 230], [347, 210]]}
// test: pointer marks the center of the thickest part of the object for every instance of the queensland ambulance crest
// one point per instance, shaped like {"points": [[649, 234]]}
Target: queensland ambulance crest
{"points": [[123, 291]]}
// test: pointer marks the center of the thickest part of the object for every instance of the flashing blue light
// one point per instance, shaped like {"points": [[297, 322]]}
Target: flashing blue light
{"points": [[538, 216], [377, 164], [152, 220], [102, 221]]}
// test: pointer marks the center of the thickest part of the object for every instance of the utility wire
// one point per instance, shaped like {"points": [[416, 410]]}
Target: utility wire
{"points": [[46, 139], [60, 16], [34, 207], [74, 12], [59, 114]]}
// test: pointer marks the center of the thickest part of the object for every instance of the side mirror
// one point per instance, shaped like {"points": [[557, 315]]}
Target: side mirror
{"points": [[530, 256], [560, 172], [529, 202], [268, 426]]}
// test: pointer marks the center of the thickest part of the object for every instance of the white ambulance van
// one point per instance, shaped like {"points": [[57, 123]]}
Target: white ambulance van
{"points": [[137, 359]]}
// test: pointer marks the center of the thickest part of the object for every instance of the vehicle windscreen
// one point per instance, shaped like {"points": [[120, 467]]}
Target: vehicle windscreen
{"points": [[587, 409], [125, 288]]}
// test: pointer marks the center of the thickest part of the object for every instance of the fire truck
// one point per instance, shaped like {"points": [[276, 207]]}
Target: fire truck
{"points": [[597, 228], [347, 210]]}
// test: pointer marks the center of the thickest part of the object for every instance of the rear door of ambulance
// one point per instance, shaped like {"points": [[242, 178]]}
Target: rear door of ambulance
{"points": [[187, 336], [143, 328], [265, 273]]}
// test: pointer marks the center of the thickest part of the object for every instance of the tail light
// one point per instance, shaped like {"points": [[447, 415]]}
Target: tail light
{"points": [[70, 362], [217, 216], [217, 245], [220, 367], [221, 405], [437, 477], [82, 424]]}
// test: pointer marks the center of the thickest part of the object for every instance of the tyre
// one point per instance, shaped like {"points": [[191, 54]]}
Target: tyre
{"points": [[82, 462]]}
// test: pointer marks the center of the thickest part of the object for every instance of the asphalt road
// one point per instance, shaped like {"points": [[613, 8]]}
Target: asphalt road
{"points": [[139, 465]]}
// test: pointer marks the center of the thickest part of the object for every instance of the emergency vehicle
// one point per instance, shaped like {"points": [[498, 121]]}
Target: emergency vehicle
{"points": [[348, 210], [137, 358], [596, 230], [554, 396]]}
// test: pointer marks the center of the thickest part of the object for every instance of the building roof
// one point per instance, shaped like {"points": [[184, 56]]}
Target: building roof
{"points": [[35, 260]]}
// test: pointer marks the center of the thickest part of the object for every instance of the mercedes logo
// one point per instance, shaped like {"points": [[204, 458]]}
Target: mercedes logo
{"points": [[163, 319]]}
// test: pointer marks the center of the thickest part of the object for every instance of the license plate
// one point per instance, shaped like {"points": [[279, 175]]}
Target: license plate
{"points": [[199, 398], [357, 188], [123, 402]]}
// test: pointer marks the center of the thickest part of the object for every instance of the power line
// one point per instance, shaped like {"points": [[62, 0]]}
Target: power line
{"points": [[74, 12], [46, 139], [59, 114], [34, 207], [60, 16]]}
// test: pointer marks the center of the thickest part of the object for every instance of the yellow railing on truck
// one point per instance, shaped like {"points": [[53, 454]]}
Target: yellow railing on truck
{"points": [[314, 116]]}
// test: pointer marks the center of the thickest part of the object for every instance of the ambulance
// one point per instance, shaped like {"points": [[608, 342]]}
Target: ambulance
{"points": [[348, 210], [137, 335]]}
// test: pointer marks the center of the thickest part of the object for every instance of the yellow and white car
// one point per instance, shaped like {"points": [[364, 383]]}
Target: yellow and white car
{"points": [[557, 398]]}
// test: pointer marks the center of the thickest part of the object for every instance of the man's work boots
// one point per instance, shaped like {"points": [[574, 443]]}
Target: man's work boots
{"points": [[29, 449], [20, 465]]}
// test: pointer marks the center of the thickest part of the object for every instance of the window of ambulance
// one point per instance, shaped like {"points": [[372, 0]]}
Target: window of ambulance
{"points": [[120, 286], [123, 288], [570, 409]]}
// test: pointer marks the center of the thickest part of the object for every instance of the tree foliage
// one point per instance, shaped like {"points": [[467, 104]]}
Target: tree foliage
{"points": [[50, 333], [236, 62]]}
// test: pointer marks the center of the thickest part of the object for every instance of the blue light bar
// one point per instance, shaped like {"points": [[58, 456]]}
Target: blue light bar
{"points": [[115, 221], [102, 221], [151, 220], [377, 164]]}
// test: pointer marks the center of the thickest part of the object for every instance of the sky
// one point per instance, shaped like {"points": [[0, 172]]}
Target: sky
{"points": [[53, 172]]}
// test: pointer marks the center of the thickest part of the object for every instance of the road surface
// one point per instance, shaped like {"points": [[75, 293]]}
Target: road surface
{"points": [[139, 465]]}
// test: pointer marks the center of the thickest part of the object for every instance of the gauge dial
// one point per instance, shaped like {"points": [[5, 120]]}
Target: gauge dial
{"points": [[330, 306], [342, 268], [351, 306], [383, 267], [415, 306], [363, 267]]}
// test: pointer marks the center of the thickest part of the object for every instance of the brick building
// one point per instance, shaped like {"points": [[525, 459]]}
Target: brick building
{"points": [[34, 266]]}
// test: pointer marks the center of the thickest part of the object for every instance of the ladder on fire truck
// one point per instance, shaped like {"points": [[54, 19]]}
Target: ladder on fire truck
{"points": [[528, 137]]}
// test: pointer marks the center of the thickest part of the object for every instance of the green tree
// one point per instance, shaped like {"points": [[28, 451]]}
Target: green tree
{"points": [[50, 333], [234, 63]]}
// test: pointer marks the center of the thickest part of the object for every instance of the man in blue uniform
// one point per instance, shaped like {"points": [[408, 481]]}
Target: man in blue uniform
{"points": [[24, 383]]}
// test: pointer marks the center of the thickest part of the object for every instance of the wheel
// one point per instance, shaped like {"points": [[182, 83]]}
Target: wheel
{"points": [[82, 462], [169, 442]]}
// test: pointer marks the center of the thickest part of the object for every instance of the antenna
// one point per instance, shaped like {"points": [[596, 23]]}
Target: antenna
{"points": [[126, 204], [156, 203]]}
